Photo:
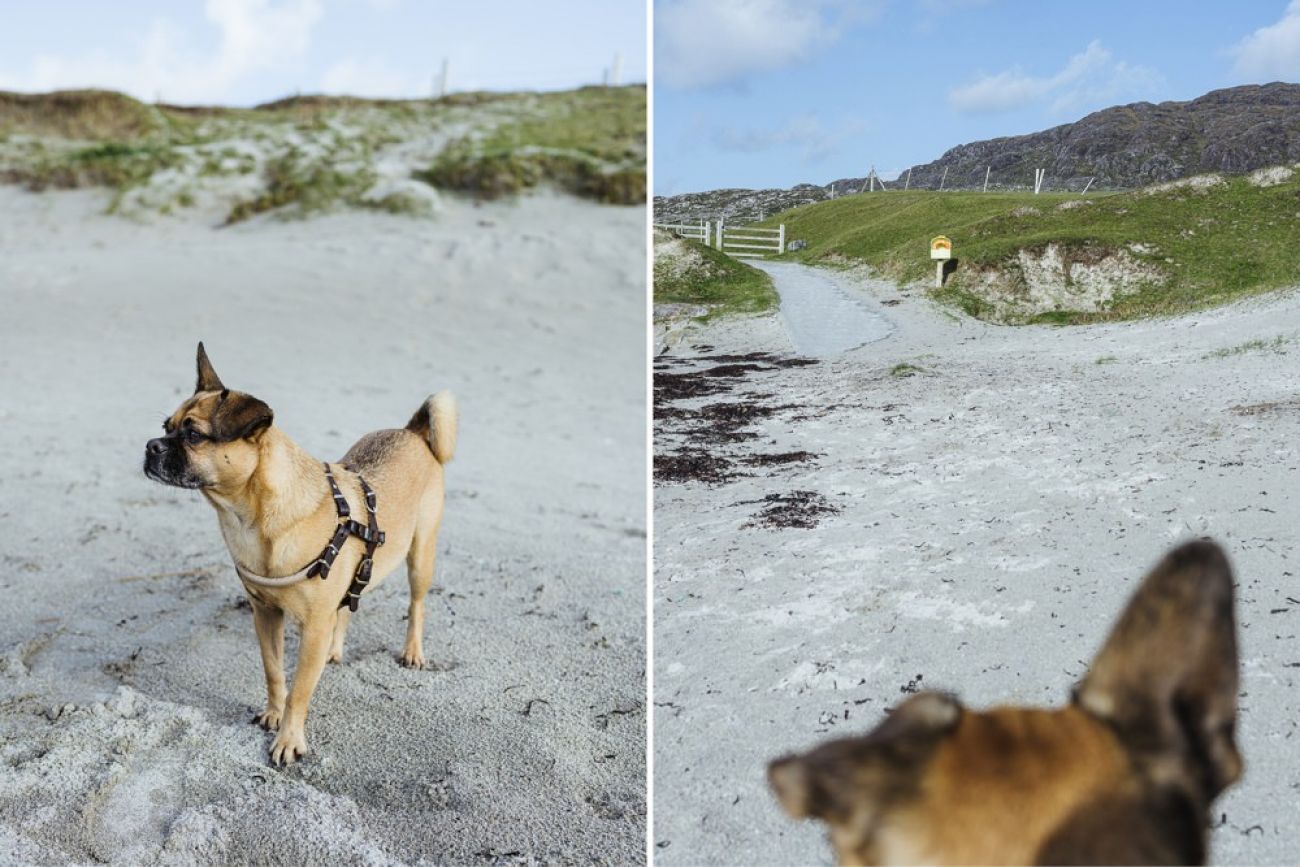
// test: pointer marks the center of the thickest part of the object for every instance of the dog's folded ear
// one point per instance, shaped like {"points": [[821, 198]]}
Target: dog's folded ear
{"points": [[239, 416], [849, 773], [1166, 678], [208, 379]]}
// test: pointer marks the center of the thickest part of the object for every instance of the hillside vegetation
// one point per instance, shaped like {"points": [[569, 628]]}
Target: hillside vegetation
{"points": [[311, 153], [1063, 258], [687, 272]]}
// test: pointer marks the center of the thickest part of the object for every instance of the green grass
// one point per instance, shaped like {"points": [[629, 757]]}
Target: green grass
{"points": [[308, 186], [114, 164], [590, 142], [904, 370], [1277, 345], [724, 284], [1208, 246]]}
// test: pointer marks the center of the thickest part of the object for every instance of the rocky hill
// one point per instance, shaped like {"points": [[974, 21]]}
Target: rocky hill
{"points": [[1230, 131]]}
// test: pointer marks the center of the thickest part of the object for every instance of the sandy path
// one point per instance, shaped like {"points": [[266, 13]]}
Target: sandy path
{"points": [[994, 513], [820, 317], [128, 666]]}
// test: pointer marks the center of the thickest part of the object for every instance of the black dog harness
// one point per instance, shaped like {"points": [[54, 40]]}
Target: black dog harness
{"points": [[368, 532]]}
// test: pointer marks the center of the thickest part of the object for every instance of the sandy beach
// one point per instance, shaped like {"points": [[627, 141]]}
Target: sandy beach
{"points": [[128, 666], [955, 506]]}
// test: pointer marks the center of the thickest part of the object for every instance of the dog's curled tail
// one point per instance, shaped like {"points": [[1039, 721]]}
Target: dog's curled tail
{"points": [[435, 421]]}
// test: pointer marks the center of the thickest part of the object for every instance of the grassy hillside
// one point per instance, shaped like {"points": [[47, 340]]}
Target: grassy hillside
{"points": [[687, 272], [311, 153], [1064, 258]]}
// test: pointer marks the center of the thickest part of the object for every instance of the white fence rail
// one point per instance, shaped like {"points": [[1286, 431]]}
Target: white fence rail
{"points": [[743, 242], [702, 231], [750, 242]]}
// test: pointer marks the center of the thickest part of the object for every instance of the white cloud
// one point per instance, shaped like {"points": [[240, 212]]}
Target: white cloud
{"points": [[804, 132], [1089, 77], [254, 35], [1272, 52], [702, 43]]}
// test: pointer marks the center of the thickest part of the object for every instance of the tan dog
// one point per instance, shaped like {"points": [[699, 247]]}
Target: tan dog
{"points": [[277, 512], [1125, 774]]}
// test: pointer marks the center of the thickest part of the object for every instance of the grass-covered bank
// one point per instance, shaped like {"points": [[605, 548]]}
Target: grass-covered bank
{"points": [[687, 272], [1066, 258], [314, 153], [591, 142]]}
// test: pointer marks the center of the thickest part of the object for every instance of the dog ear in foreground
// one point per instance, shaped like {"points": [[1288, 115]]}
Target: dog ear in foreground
{"points": [[1125, 774]]}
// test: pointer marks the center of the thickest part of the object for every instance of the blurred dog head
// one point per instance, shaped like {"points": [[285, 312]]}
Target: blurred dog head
{"points": [[1125, 774], [211, 440]]}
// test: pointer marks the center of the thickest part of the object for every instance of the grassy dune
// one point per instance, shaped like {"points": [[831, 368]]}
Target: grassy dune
{"points": [[1166, 249], [311, 153], [687, 272], [591, 142]]}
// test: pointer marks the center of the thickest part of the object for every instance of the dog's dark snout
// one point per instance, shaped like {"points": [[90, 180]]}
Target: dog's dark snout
{"points": [[156, 446]]}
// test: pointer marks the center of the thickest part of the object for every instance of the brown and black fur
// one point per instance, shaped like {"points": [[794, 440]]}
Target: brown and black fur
{"points": [[276, 514], [1125, 774]]}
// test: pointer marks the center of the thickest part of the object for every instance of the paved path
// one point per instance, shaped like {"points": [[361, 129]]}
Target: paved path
{"points": [[820, 317]]}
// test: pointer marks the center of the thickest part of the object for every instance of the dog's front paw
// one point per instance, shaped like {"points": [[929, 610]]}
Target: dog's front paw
{"points": [[269, 719], [413, 657], [289, 746]]}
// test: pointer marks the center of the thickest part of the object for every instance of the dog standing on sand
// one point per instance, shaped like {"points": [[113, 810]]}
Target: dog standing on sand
{"points": [[279, 508], [1125, 774]]}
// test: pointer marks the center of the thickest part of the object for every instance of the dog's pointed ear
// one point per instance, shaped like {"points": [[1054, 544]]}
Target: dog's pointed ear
{"points": [[239, 416], [208, 379], [1166, 678]]}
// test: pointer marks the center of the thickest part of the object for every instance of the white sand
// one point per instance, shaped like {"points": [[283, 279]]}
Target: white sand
{"points": [[996, 512], [128, 665]]}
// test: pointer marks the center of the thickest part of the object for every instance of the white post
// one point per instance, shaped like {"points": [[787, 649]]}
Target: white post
{"points": [[705, 233], [909, 180], [718, 237], [443, 79], [986, 178], [616, 71], [938, 275], [780, 241], [1039, 175], [1090, 180], [943, 179]]}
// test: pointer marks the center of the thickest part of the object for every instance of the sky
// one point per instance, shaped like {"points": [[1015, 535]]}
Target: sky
{"points": [[771, 93], [243, 52]]}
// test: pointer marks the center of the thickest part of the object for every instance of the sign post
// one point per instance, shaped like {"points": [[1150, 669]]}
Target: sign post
{"points": [[941, 252]]}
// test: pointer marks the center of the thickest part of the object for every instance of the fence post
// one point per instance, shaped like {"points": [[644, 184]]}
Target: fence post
{"points": [[944, 179], [986, 178], [708, 236], [718, 237], [780, 241]]}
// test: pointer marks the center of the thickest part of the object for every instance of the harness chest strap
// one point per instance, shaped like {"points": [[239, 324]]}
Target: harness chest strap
{"points": [[368, 532]]}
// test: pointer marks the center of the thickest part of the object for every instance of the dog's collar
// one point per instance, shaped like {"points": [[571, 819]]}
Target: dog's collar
{"points": [[368, 532]]}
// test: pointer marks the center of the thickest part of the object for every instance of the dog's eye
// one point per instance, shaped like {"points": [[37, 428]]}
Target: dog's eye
{"points": [[193, 437]]}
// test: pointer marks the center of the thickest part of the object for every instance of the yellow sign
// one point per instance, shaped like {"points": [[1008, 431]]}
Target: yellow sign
{"points": [[941, 248]]}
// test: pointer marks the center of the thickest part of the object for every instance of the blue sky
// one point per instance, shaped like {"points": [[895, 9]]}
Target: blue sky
{"points": [[241, 52], [768, 93]]}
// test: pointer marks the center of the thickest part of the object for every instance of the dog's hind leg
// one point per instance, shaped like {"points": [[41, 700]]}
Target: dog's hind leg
{"points": [[419, 573], [340, 630], [269, 623]]}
